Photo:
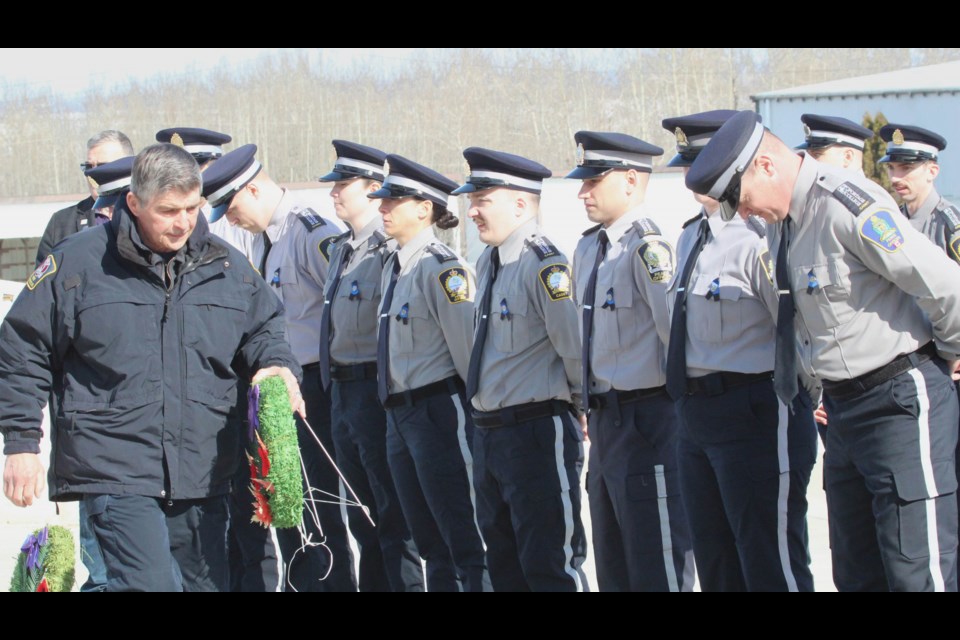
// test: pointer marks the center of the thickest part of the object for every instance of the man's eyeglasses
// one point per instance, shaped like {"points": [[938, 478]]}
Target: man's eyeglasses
{"points": [[86, 166]]}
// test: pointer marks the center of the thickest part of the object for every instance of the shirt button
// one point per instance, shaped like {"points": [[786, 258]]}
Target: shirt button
{"points": [[163, 494]]}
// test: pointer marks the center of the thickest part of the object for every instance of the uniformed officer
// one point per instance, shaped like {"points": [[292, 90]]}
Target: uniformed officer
{"points": [[141, 330], [295, 262], [348, 368], [622, 268], [745, 460], [425, 331], [102, 148], [834, 140], [874, 314], [913, 164], [254, 557], [113, 183], [524, 383]]}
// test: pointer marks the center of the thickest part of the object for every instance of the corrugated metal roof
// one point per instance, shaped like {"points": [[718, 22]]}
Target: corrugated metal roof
{"points": [[935, 78]]}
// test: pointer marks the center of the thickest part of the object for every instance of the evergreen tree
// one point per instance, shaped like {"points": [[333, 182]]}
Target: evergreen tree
{"points": [[875, 149]]}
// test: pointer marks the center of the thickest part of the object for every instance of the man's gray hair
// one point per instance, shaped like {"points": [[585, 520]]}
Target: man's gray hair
{"points": [[111, 135], [163, 167]]}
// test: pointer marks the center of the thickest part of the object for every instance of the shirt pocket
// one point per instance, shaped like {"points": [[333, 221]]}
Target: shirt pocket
{"points": [[411, 328], [615, 325], [510, 322], [288, 280], [820, 288], [704, 317], [358, 301]]}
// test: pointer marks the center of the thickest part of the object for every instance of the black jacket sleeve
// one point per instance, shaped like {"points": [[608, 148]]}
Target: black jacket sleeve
{"points": [[265, 343]]}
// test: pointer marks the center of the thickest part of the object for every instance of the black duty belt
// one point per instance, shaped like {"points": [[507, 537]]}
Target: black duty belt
{"points": [[353, 372], [447, 387], [520, 413], [714, 384], [869, 380], [614, 397]]}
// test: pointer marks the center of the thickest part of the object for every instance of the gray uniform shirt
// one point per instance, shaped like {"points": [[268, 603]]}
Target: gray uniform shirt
{"points": [[864, 280], [734, 329], [532, 351], [297, 272], [356, 303], [631, 326], [431, 316], [940, 221]]}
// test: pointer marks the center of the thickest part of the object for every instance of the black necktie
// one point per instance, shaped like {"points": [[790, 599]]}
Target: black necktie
{"points": [[588, 302], [327, 312], [266, 252], [677, 350], [383, 335], [785, 366], [473, 373]]}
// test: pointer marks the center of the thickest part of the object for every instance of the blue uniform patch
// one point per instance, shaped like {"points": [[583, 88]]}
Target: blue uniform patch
{"points": [[657, 257], [326, 247], [611, 301], [881, 229], [812, 283], [767, 263], [505, 310], [556, 280], [354, 290], [455, 285], [47, 268], [955, 247], [713, 292]]}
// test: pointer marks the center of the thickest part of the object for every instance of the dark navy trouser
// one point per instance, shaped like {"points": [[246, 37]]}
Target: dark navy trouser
{"points": [[745, 464], [890, 477], [388, 556], [527, 480], [150, 544], [310, 566], [641, 539], [429, 446]]}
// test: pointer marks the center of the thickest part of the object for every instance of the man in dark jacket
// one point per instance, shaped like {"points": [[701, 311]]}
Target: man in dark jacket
{"points": [[141, 329], [102, 148]]}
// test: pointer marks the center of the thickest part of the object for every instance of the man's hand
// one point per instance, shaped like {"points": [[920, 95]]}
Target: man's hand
{"points": [[584, 428], [24, 479], [293, 389], [820, 415]]}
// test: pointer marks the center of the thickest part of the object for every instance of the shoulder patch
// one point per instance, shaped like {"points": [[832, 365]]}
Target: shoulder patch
{"points": [[592, 230], [556, 280], [853, 197], [327, 245], [951, 216], [657, 257], [441, 252], [768, 267], [757, 225], [543, 247], [881, 229], [646, 227], [954, 243], [47, 268], [456, 285], [689, 222], [310, 219]]}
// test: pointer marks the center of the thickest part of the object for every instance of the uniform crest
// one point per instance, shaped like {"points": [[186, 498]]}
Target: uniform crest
{"points": [[326, 247], [881, 229], [556, 280], [47, 268], [580, 154], [657, 257], [681, 137], [955, 247], [806, 130], [455, 285], [767, 263], [175, 139], [897, 137]]}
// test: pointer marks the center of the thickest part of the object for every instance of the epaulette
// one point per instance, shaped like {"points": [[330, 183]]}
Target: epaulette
{"points": [[310, 219], [542, 247], [592, 230], [441, 253], [757, 225], [951, 216], [855, 199], [689, 222], [646, 227], [377, 239]]}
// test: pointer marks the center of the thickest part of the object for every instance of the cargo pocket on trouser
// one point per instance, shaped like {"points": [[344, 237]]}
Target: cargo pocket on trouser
{"points": [[927, 510]]}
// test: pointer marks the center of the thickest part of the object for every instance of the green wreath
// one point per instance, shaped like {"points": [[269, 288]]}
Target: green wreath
{"points": [[45, 563], [275, 479]]}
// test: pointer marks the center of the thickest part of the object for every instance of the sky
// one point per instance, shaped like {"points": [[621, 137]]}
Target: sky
{"points": [[71, 71]]}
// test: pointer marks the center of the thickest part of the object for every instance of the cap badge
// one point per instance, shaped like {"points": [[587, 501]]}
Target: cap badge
{"points": [[897, 138], [580, 154], [681, 137]]}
